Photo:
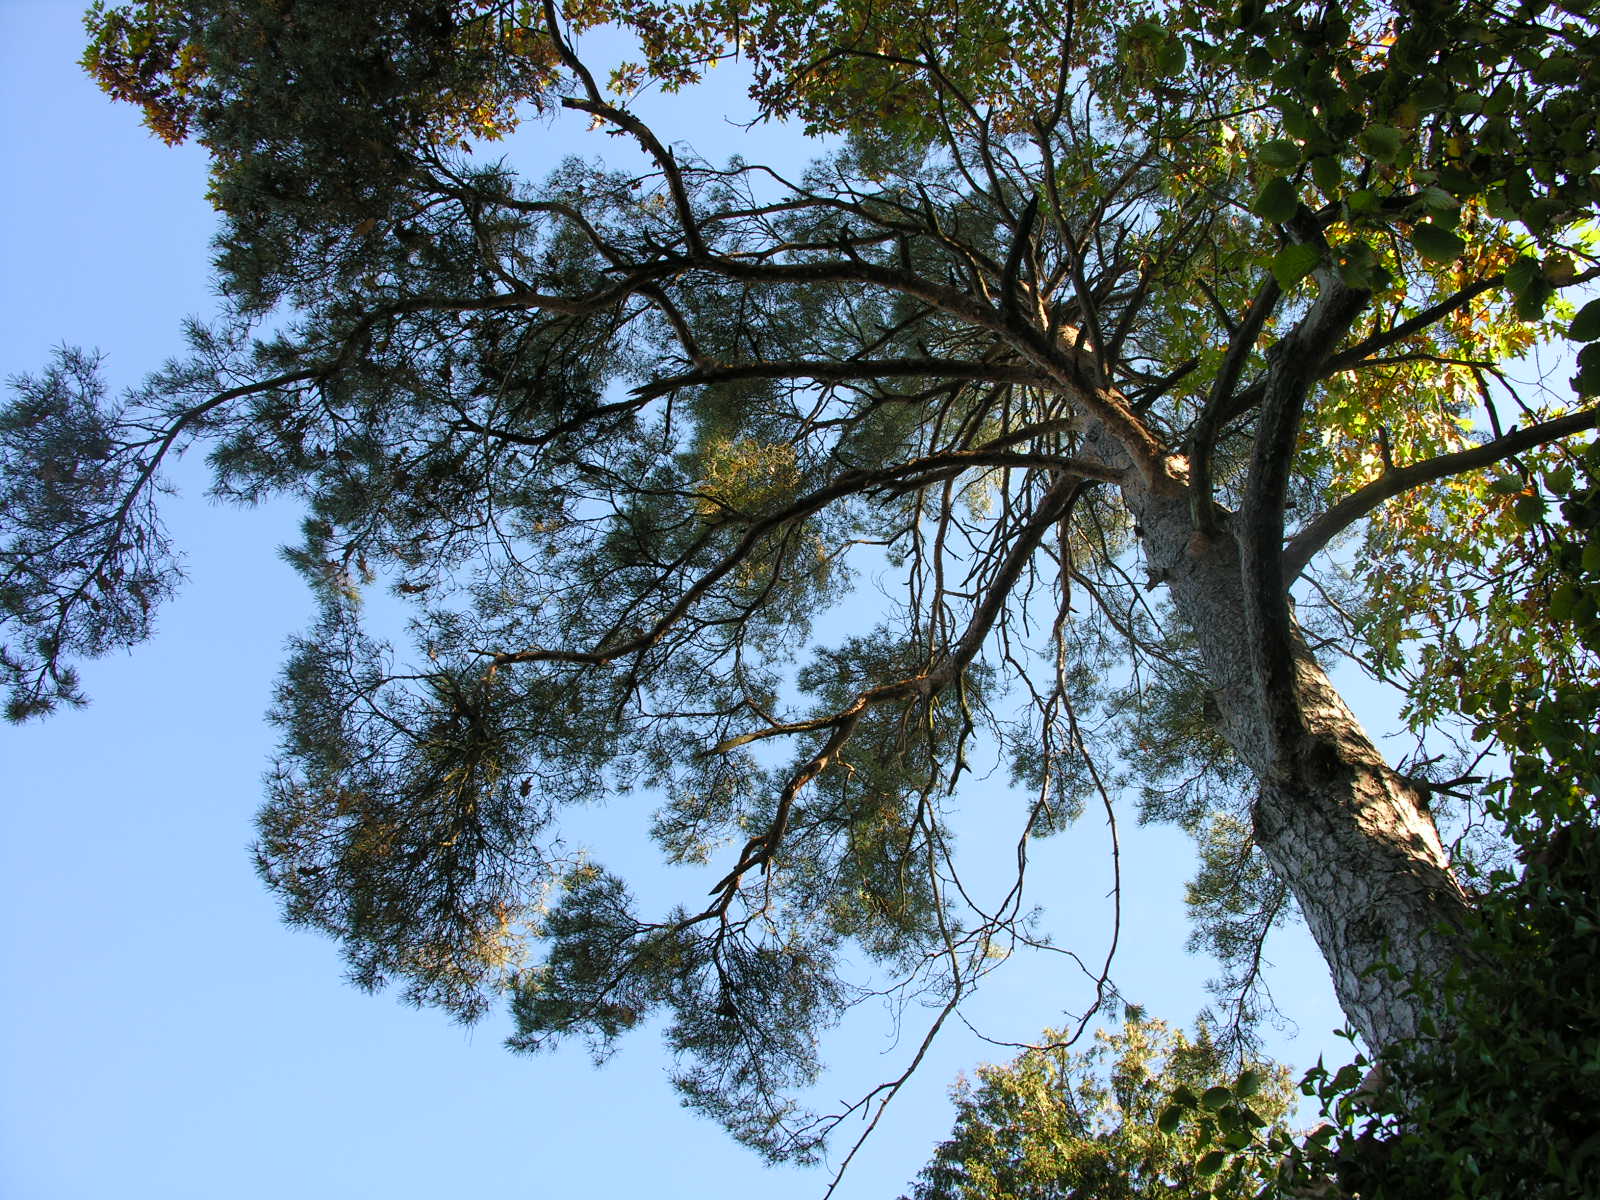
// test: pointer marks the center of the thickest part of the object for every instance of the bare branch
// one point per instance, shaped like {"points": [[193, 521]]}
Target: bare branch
{"points": [[843, 370]]}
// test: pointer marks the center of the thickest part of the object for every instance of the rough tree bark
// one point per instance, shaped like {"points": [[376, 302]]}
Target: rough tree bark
{"points": [[1355, 844]]}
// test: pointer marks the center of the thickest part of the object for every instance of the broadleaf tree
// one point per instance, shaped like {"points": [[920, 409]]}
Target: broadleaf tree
{"points": [[1057, 1124], [1158, 354]]}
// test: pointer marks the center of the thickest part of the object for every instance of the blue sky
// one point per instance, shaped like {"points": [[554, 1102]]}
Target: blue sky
{"points": [[161, 1034]]}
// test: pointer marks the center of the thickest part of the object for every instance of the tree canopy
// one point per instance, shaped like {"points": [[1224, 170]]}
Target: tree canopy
{"points": [[1058, 1125], [1149, 359]]}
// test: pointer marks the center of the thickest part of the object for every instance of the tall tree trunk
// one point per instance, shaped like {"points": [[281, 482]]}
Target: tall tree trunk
{"points": [[1355, 843]]}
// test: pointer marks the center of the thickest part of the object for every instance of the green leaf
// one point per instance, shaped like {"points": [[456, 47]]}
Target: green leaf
{"points": [[1171, 58], [1562, 600], [1558, 69], [1210, 1163], [1277, 201], [1362, 276], [1529, 509], [1382, 142], [1346, 1078], [1585, 326], [1249, 1084], [1457, 182], [1521, 275], [1280, 153], [1587, 380], [1558, 269], [1499, 204], [1436, 243], [1430, 94], [1297, 122], [1363, 200], [1437, 200], [1293, 263], [1258, 63], [1169, 1120], [1531, 300], [1327, 173], [1215, 1097]]}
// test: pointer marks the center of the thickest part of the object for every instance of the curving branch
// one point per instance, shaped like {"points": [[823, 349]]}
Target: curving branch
{"points": [[1354, 356], [1357, 355], [595, 105], [1306, 544], [1259, 524]]}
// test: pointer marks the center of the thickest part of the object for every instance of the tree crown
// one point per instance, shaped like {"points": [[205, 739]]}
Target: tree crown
{"points": [[1096, 298]]}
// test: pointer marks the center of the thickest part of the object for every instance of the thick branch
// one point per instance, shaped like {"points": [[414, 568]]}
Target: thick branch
{"points": [[1259, 525], [848, 483], [1060, 362], [1354, 355], [1309, 541], [1019, 248], [596, 106], [953, 462]]}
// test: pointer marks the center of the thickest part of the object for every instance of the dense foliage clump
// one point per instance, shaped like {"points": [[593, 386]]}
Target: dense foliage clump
{"points": [[1059, 1124]]}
